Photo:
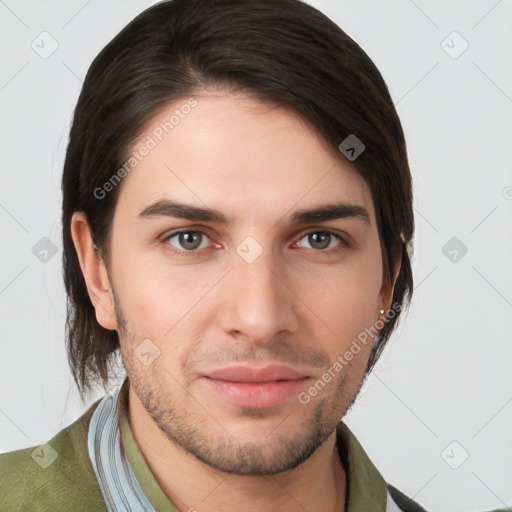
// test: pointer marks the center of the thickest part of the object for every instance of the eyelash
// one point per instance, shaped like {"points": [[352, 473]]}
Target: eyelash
{"points": [[342, 245]]}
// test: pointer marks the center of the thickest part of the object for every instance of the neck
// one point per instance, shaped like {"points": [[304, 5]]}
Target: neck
{"points": [[317, 484]]}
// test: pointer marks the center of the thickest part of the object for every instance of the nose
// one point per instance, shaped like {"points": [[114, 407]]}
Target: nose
{"points": [[257, 302]]}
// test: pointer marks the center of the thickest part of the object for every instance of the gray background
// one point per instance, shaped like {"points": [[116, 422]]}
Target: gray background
{"points": [[443, 389]]}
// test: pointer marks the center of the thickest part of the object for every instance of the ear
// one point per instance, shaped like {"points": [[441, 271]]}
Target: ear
{"points": [[388, 287], [94, 272]]}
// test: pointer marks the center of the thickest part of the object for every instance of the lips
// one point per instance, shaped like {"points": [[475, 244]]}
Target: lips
{"points": [[256, 388], [249, 374]]}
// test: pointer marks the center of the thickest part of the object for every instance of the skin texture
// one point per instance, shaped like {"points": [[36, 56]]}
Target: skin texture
{"points": [[298, 303]]}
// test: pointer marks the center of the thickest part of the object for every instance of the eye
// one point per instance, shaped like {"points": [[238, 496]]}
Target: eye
{"points": [[191, 241], [186, 241], [321, 240]]}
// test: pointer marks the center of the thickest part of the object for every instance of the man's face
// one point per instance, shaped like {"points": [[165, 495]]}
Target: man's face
{"points": [[196, 312]]}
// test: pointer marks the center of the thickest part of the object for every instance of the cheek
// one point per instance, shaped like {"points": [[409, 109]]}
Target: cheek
{"points": [[346, 297], [155, 297], [344, 304]]}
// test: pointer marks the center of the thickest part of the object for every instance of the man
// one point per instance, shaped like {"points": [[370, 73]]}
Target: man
{"points": [[237, 215]]}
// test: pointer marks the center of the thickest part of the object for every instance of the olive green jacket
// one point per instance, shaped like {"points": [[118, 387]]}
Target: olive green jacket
{"points": [[59, 476]]}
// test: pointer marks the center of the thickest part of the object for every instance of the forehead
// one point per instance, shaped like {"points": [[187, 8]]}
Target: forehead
{"points": [[240, 155]]}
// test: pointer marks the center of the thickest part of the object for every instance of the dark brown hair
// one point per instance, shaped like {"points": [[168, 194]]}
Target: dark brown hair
{"points": [[282, 51]]}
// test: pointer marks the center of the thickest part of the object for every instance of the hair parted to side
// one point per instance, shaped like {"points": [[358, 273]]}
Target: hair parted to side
{"points": [[282, 51]]}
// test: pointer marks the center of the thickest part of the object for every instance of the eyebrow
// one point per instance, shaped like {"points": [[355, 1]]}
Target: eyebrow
{"points": [[320, 213]]}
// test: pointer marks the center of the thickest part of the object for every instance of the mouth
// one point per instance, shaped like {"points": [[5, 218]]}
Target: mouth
{"points": [[256, 388]]}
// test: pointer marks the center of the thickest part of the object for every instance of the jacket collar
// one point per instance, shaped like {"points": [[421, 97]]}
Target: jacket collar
{"points": [[126, 481]]}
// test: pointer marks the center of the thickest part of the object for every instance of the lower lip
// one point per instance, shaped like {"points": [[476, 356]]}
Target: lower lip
{"points": [[256, 395]]}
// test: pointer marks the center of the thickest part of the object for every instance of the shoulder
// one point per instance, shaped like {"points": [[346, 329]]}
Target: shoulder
{"points": [[57, 475], [398, 501]]}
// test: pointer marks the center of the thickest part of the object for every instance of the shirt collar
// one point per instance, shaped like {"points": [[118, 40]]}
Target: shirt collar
{"points": [[366, 488]]}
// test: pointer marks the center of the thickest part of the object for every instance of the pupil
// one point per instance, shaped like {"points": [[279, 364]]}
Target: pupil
{"points": [[324, 236], [187, 239]]}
